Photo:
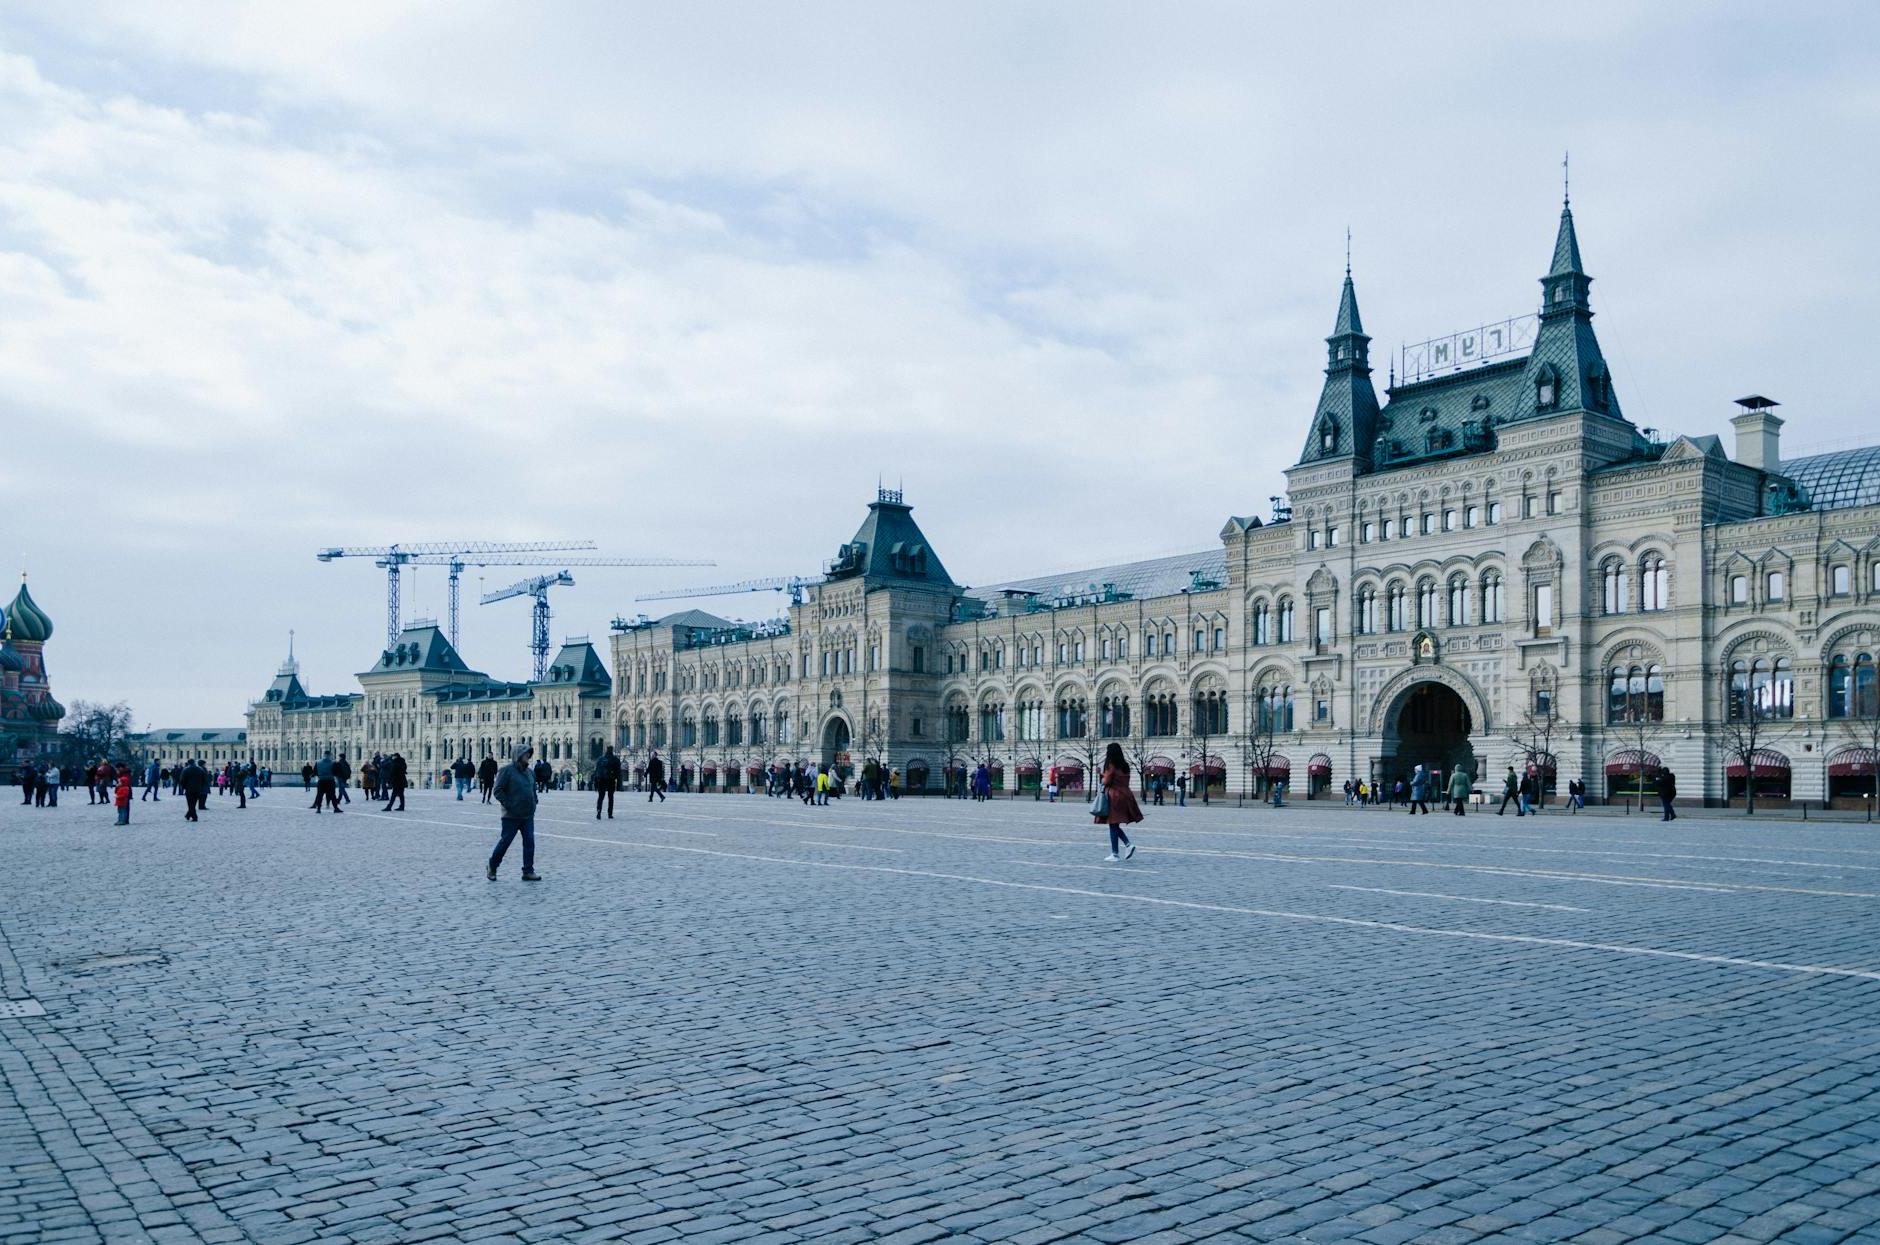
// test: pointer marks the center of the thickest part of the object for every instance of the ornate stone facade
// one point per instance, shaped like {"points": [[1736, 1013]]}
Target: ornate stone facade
{"points": [[1494, 566]]}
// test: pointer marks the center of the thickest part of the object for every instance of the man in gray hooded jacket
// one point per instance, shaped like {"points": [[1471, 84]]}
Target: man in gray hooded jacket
{"points": [[515, 791]]}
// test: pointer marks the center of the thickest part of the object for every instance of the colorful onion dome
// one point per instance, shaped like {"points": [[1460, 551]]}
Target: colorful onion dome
{"points": [[10, 660], [28, 622], [47, 710]]}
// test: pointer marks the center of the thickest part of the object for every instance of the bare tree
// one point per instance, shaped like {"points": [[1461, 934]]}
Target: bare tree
{"points": [[1639, 732], [1533, 738], [94, 731], [1259, 742], [1750, 723]]}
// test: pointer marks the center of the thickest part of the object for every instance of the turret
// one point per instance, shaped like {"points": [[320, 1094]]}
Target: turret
{"points": [[1346, 422], [1566, 371]]}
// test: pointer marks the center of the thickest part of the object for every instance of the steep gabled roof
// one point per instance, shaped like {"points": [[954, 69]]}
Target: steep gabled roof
{"points": [[578, 663], [421, 647], [889, 547]]}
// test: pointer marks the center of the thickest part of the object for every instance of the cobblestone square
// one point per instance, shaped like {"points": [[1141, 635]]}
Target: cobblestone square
{"points": [[735, 1018]]}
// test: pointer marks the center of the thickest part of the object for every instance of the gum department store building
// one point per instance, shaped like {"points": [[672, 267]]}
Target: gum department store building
{"points": [[1493, 566]]}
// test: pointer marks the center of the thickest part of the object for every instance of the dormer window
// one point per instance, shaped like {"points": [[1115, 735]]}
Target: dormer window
{"points": [[1328, 436], [1547, 390]]}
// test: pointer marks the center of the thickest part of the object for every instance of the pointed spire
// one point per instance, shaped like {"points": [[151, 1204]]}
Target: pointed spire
{"points": [[1566, 246], [1348, 405]]}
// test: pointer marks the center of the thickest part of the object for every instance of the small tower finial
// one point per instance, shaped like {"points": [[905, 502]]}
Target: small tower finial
{"points": [[1566, 179], [1347, 250]]}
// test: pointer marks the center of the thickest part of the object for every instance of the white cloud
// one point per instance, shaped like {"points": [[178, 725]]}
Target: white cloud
{"points": [[685, 280]]}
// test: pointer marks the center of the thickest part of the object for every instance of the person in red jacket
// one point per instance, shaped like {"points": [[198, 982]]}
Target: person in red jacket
{"points": [[123, 795]]}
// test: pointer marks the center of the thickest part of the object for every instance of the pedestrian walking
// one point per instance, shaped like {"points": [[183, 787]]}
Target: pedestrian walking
{"points": [[1459, 786], [606, 782], [655, 779], [396, 778], [463, 772], [1116, 805], [48, 796], [515, 792], [306, 776], [326, 784], [1530, 784], [1667, 792], [342, 778], [1510, 793], [1576, 795], [1419, 791], [195, 784], [121, 796], [486, 777]]}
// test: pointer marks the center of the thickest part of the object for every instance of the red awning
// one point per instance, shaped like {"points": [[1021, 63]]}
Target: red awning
{"points": [[1070, 771], [1768, 765], [1213, 771], [1319, 767], [1028, 767], [1164, 768], [1631, 761], [1276, 767], [1853, 763], [755, 771]]}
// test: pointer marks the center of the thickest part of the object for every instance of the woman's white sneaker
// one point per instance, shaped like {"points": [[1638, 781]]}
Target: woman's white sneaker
{"points": [[1111, 858], [1129, 851]]}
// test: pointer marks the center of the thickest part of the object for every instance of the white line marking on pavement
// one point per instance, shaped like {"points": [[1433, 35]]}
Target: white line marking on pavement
{"points": [[1532, 940], [1506, 903], [899, 851], [1119, 867]]}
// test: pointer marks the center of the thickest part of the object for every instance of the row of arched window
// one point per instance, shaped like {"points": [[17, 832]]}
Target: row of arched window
{"points": [[1459, 603], [1615, 585]]}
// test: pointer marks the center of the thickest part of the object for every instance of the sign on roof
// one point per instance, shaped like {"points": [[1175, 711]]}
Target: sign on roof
{"points": [[1470, 348]]}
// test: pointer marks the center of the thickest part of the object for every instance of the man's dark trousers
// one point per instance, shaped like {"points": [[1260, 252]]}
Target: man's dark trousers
{"points": [[604, 793], [512, 826]]}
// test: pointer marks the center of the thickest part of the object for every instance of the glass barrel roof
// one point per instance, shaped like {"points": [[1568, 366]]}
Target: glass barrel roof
{"points": [[1154, 577], [1838, 480]]}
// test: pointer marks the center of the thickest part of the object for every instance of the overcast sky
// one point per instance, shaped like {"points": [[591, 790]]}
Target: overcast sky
{"points": [[686, 279]]}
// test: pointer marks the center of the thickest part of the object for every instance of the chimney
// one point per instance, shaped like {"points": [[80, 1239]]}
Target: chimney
{"points": [[1758, 433]]}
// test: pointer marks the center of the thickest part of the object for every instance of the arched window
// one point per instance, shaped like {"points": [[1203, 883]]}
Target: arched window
{"points": [[1210, 713], [1328, 435], [1273, 708], [1637, 694], [1840, 685], [1739, 589], [1426, 603], [1073, 718], [1615, 587], [1458, 602], [1163, 719], [1115, 722], [1866, 704], [1654, 580], [1494, 604], [1366, 620], [1739, 691], [1262, 626], [1285, 622], [1781, 696], [1397, 620]]}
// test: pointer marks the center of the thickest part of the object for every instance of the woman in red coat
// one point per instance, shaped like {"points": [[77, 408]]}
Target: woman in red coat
{"points": [[122, 796], [1117, 806]]}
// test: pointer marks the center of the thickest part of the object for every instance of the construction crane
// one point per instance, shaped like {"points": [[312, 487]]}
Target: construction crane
{"points": [[792, 584], [455, 554], [536, 586], [457, 558]]}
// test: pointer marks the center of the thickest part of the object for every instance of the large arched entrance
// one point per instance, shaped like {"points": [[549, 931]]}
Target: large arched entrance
{"points": [[1428, 726], [835, 745]]}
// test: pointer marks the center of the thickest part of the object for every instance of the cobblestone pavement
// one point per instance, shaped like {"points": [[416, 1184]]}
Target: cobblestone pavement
{"points": [[731, 1018]]}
